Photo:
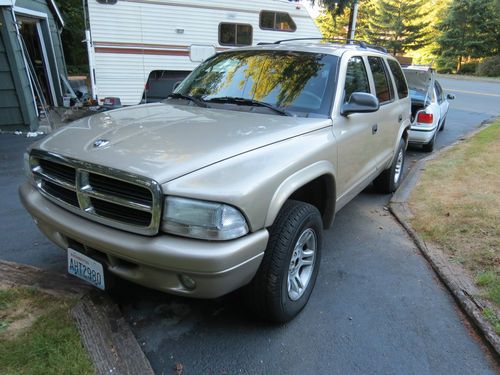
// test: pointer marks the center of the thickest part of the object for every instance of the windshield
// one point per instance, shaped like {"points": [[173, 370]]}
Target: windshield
{"points": [[298, 82]]}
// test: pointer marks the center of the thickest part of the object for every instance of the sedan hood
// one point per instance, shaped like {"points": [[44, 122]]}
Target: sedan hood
{"points": [[164, 141]]}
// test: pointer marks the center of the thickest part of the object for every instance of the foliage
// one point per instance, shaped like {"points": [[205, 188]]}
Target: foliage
{"points": [[489, 67], [75, 52], [398, 25], [470, 30], [336, 25]]}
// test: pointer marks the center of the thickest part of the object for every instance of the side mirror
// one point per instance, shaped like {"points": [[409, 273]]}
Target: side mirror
{"points": [[360, 102], [450, 96]]}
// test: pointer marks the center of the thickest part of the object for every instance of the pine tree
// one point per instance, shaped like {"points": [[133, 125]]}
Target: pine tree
{"points": [[396, 25], [470, 30]]}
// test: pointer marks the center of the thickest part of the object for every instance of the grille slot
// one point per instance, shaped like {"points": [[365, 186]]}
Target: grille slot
{"points": [[59, 171], [121, 200], [119, 188], [121, 213], [61, 193]]}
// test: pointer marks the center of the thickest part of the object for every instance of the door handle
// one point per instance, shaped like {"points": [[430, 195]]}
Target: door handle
{"points": [[374, 128], [400, 118]]}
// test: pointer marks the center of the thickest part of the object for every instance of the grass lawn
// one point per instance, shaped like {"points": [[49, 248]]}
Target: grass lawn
{"points": [[38, 336], [456, 204]]}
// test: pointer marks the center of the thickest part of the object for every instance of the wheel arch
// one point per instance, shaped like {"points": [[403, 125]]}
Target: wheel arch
{"points": [[314, 184]]}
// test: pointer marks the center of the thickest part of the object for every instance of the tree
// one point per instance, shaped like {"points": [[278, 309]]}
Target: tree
{"points": [[470, 30], [75, 52], [397, 25], [337, 8]]}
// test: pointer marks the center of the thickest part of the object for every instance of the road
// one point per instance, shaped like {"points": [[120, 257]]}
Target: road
{"points": [[377, 307]]}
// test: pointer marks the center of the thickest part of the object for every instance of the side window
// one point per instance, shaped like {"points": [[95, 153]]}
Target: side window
{"points": [[235, 34], [356, 79], [439, 92], [399, 78], [383, 85], [276, 21]]}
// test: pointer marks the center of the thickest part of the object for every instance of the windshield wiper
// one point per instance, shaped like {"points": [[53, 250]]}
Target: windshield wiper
{"points": [[250, 102], [195, 100]]}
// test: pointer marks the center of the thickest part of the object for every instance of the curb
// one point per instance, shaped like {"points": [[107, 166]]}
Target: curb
{"points": [[459, 77], [460, 286], [106, 335]]}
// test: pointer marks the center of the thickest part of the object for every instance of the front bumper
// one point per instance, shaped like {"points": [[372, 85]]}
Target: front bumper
{"points": [[156, 262]]}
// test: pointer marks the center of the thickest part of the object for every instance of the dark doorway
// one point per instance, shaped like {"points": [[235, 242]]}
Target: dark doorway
{"points": [[30, 35]]}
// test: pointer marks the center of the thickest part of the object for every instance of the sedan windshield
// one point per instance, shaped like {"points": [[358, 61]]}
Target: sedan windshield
{"points": [[282, 82]]}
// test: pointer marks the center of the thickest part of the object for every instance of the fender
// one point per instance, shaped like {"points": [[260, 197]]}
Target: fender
{"points": [[293, 183]]}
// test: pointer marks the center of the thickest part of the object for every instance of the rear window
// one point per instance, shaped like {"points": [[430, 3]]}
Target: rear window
{"points": [[383, 85], [399, 78]]}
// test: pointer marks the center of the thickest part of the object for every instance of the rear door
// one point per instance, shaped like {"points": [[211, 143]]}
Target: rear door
{"points": [[441, 100], [389, 117], [357, 148]]}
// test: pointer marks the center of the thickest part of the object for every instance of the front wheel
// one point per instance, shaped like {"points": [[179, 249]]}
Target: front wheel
{"points": [[287, 274], [390, 179]]}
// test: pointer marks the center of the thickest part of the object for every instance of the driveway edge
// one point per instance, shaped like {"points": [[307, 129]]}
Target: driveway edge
{"points": [[106, 335], [460, 286]]}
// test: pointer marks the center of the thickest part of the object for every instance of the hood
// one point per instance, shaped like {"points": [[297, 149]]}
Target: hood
{"points": [[419, 80], [164, 141]]}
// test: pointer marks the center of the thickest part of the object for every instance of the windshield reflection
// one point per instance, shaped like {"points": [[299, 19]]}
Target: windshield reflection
{"points": [[296, 81]]}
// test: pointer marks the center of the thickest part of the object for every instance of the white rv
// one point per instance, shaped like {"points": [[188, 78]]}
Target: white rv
{"points": [[139, 49]]}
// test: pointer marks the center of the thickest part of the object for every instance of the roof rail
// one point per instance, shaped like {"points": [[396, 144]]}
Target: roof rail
{"points": [[360, 43]]}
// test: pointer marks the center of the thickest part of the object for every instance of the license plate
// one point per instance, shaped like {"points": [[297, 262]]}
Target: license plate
{"points": [[85, 268]]}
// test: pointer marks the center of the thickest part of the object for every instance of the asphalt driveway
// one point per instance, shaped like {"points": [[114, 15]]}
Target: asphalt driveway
{"points": [[377, 307]]}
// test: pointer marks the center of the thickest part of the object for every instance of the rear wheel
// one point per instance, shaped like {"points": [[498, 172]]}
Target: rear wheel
{"points": [[429, 147], [390, 179], [287, 274], [442, 125]]}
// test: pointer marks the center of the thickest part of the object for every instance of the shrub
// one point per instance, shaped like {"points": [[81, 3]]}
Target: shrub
{"points": [[468, 68], [489, 67]]}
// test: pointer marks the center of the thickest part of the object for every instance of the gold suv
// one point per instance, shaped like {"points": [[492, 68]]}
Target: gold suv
{"points": [[229, 181]]}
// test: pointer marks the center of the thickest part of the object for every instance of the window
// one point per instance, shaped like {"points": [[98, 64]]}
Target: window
{"points": [[439, 92], [300, 82], [383, 85], [277, 21], [235, 34], [356, 79], [399, 78]]}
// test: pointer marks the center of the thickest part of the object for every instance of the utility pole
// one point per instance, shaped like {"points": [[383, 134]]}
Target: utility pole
{"points": [[352, 19]]}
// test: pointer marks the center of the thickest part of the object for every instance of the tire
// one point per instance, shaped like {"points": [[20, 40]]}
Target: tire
{"points": [[390, 179], [442, 125], [429, 147], [271, 295]]}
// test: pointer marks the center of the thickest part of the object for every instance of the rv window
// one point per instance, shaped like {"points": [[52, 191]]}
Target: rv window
{"points": [[277, 21], [235, 34]]}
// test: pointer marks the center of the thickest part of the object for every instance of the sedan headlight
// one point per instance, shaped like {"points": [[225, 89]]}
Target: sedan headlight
{"points": [[202, 219]]}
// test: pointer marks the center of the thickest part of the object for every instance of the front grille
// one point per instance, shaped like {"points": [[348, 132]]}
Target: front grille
{"points": [[118, 199]]}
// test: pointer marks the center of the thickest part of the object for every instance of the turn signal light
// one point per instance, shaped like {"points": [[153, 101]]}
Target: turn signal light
{"points": [[425, 118]]}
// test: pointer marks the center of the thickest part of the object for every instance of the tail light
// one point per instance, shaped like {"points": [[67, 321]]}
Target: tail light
{"points": [[425, 118]]}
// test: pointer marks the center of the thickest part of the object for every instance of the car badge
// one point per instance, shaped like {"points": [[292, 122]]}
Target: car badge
{"points": [[101, 143]]}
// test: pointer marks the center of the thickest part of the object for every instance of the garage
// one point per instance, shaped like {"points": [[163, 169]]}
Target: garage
{"points": [[32, 66]]}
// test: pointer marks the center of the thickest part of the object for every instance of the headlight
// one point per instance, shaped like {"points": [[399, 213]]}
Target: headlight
{"points": [[202, 219]]}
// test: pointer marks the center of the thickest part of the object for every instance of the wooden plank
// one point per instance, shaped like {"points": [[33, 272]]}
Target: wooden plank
{"points": [[50, 283], [108, 338]]}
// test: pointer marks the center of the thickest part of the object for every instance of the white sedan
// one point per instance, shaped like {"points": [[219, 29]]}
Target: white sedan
{"points": [[429, 106]]}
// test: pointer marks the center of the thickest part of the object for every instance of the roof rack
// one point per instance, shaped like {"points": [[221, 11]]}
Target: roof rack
{"points": [[360, 43]]}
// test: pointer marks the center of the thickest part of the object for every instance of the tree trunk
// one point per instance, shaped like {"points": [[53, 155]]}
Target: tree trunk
{"points": [[459, 65]]}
